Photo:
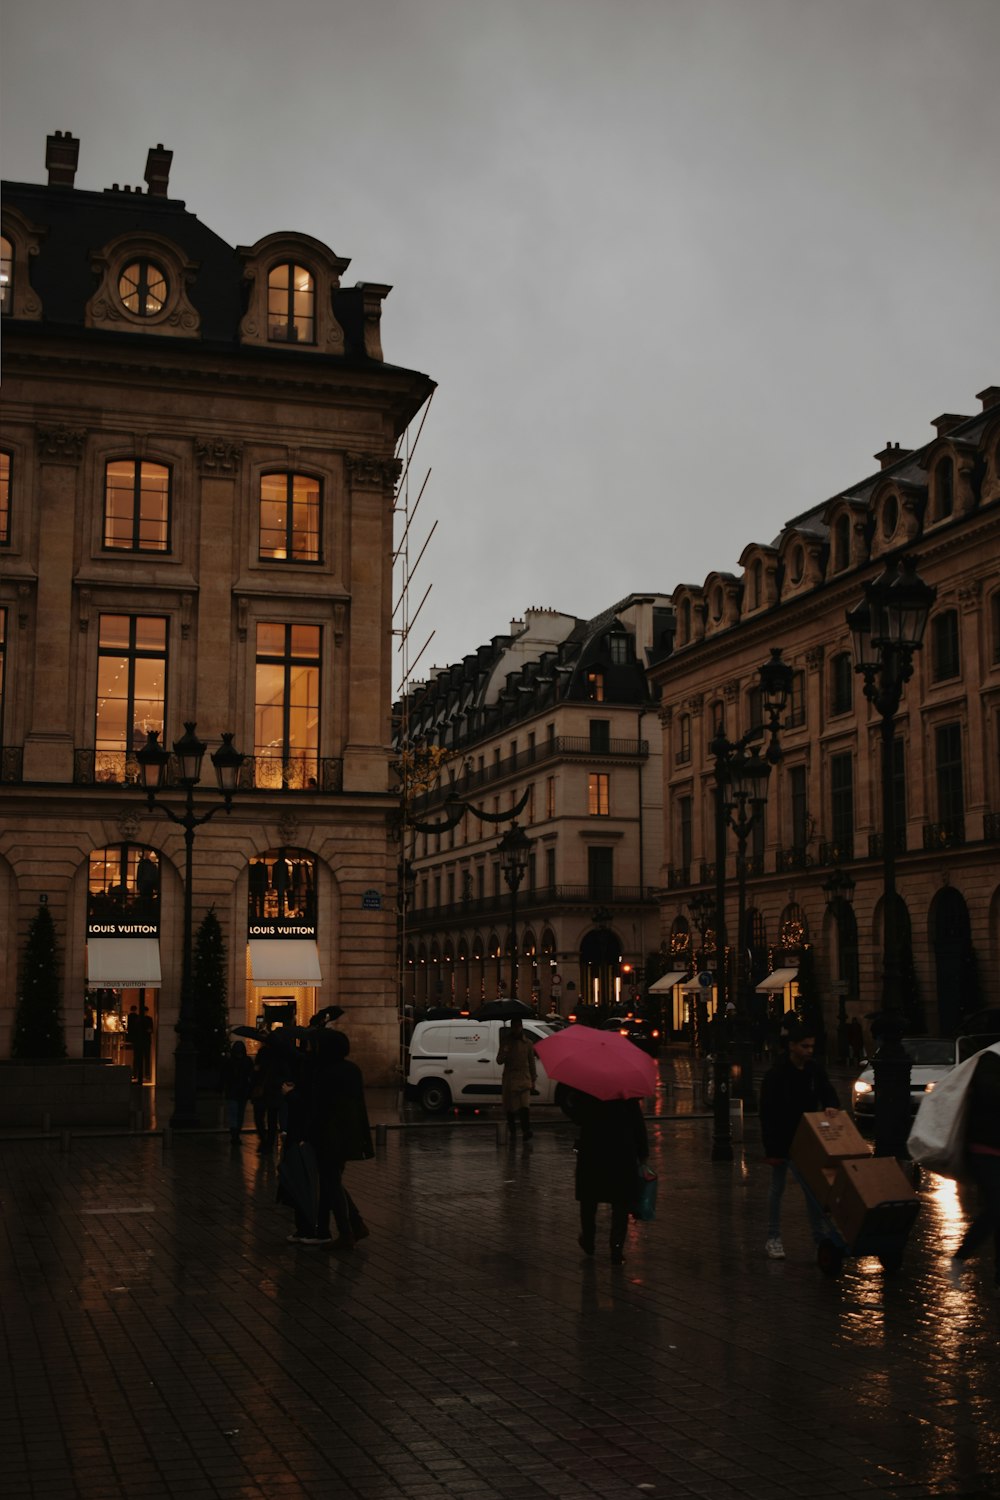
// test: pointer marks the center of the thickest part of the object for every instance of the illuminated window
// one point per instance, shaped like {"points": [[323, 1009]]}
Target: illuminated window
{"points": [[136, 507], [595, 687], [142, 286], [131, 691], [5, 467], [289, 518], [597, 794], [6, 275], [291, 304], [286, 715], [123, 882]]}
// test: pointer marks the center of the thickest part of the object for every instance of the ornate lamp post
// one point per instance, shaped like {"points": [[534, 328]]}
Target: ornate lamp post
{"points": [[740, 781], [189, 751], [887, 627], [514, 850]]}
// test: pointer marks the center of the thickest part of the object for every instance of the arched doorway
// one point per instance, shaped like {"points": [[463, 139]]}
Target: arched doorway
{"points": [[123, 958], [954, 963], [600, 957]]}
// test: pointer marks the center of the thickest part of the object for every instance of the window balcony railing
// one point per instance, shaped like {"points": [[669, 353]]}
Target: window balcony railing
{"points": [[706, 872], [560, 746], [795, 858], [497, 906], [269, 773], [948, 835], [11, 763], [876, 846], [836, 851], [678, 876], [991, 827]]}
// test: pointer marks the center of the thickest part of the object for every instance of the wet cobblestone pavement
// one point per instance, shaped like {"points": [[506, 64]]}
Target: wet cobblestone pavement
{"points": [[161, 1341]]}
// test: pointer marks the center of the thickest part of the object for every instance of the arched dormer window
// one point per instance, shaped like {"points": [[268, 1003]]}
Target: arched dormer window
{"points": [[797, 563], [291, 304], [685, 621], [944, 488], [18, 243], [143, 286], [890, 515], [756, 583], [841, 543]]}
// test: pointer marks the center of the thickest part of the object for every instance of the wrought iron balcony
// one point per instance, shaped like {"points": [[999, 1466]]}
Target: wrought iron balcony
{"points": [[876, 847], [113, 768], [303, 773], [836, 851], [542, 898], [795, 858], [948, 835], [706, 872], [678, 876]]}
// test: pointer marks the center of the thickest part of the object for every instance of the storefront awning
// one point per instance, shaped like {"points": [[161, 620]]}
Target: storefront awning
{"points": [[777, 981], [284, 961], [666, 982], [692, 987], [115, 963]]}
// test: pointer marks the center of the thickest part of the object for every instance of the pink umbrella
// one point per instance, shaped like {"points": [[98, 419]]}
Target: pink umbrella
{"points": [[601, 1063]]}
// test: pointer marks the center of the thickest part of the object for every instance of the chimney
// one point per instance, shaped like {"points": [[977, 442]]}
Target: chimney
{"points": [[990, 397], [891, 454], [158, 170], [944, 424], [62, 152]]}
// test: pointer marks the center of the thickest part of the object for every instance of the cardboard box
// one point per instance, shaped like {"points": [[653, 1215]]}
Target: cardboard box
{"points": [[821, 1143], [873, 1200]]}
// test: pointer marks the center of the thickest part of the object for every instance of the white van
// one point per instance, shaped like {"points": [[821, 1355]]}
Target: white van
{"points": [[455, 1062]]}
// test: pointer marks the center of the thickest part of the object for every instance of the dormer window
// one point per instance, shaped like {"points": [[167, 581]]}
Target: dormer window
{"points": [[142, 287], [685, 621], [841, 543], [890, 515], [797, 564], [756, 583], [717, 603], [6, 275], [944, 488], [291, 304]]}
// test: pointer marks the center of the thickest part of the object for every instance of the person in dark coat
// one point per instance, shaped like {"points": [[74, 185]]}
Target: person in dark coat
{"points": [[327, 1109], [237, 1081], [272, 1068], [982, 1146], [611, 1146], [794, 1086]]}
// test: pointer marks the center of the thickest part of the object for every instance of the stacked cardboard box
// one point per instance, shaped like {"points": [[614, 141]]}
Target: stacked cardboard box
{"points": [[821, 1143], [873, 1200]]}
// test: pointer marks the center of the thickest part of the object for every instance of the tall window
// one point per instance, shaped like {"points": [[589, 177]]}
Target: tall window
{"points": [[142, 287], [683, 739], [131, 690], [800, 815], [595, 687], [136, 506], [286, 717], [291, 304], [944, 488], [756, 583], [618, 647], [600, 735], [755, 708], [600, 873], [550, 797], [944, 645], [948, 761], [797, 701], [290, 518], [597, 794], [684, 829], [6, 275], [5, 468], [3, 664], [841, 683], [550, 869], [842, 799]]}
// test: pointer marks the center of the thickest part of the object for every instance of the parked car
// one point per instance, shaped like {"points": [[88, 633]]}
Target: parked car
{"points": [[638, 1030], [455, 1062], [931, 1059]]}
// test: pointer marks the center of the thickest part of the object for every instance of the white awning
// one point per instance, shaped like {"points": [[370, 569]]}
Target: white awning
{"points": [[284, 961], [666, 982], [692, 987], [115, 963], [777, 981]]}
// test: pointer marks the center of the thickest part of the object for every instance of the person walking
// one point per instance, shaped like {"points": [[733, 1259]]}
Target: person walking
{"points": [[516, 1056], [237, 1081], [982, 1147], [609, 1152], [327, 1112], [794, 1086], [271, 1070]]}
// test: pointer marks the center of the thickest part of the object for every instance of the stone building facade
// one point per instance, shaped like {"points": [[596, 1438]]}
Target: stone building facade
{"points": [[549, 725], [196, 516], [939, 502]]}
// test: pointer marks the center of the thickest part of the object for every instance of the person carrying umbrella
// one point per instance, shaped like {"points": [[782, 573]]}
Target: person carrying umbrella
{"points": [[327, 1114], [517, 1058], [609, 1076]]}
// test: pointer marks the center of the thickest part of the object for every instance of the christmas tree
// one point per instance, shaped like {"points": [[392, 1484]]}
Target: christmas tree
{"points": [[38, 1027], [209, 986]]}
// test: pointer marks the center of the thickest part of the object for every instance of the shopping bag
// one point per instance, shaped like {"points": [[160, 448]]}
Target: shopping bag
{"points": [[644, 1205], [937, 1139]]}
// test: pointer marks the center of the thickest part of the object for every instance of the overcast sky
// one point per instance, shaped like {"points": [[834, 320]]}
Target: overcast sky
{"points": [[679, 267]]}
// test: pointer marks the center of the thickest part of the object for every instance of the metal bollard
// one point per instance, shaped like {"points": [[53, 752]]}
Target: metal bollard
{"points": [[64, 1140], [381, 1136]]}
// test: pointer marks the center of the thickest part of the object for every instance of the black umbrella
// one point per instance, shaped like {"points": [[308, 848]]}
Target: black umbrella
{"points": [[504, 1010], [298, 1179], [326, 1015]]}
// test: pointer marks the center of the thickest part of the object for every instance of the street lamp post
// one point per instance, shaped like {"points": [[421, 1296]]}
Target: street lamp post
{"points": [[514, 850], [740, 783], [887, 627], [153, 759]]}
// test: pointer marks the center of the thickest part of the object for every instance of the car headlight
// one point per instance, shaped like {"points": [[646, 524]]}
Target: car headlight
{"points": [[861, 1087], [928, 1087]]}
